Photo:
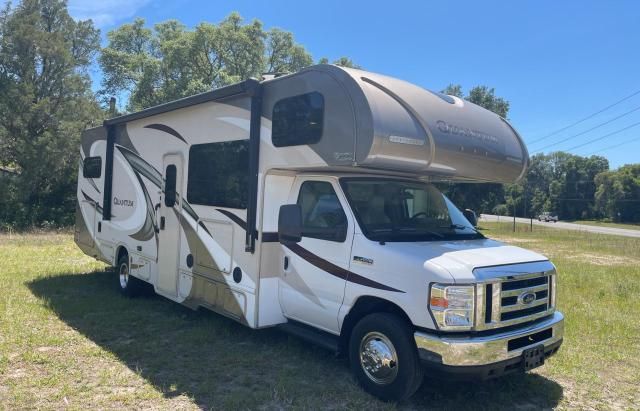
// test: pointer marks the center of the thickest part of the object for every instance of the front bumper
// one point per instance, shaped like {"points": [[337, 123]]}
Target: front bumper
{"points": [[489, 355]]}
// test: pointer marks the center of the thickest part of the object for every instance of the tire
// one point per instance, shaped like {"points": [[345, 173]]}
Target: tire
{"points": [[386, 337], [129, 285]]}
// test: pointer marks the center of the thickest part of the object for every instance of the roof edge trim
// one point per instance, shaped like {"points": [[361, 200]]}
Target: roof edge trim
{"points": [[246, 87]]}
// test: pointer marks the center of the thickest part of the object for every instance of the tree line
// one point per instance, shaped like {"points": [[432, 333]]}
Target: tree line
{"points": [[46, 100], [573, 187]]}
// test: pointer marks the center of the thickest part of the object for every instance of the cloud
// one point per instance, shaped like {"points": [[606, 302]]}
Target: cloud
{"points": [[105, 13]]}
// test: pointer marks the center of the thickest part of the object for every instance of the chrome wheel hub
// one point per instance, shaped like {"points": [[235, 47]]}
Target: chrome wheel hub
{"points": [[378, 358], [124, 275]]}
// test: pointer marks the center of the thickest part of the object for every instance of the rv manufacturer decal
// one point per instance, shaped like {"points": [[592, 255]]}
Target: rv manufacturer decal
{"points": [[123, 203], [363, 260], [448, 128], [406, 140]]}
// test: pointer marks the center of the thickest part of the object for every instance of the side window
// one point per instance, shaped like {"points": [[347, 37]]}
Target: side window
{"points": [[219, 174], [322, 214], [92, 167], [298, 120], [170, 185]]}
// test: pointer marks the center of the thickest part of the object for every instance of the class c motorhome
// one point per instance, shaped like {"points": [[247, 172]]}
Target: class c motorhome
{"points": [[306, 202]]}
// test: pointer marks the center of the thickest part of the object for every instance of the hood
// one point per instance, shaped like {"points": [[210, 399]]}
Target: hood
{"points": [[460, 258]]}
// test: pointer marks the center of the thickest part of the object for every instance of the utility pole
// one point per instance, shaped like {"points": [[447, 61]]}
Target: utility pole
{"points": [[514, 214], [524, 204]]}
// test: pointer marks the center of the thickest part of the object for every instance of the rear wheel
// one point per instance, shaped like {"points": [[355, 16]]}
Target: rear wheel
{"points": [[129, 286], [384, 357]]}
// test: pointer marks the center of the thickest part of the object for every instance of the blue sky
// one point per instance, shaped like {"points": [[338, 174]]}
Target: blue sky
{"points": [[555, 61]]}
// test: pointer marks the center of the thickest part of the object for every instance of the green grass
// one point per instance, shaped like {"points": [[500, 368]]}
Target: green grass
{"points": [[628, 226], [69, 340]]}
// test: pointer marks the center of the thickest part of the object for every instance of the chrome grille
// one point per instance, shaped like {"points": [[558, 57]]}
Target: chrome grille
{"points": [[509, 299]]}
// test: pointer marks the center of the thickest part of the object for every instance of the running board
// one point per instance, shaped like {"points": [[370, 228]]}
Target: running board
{"points": [[311, 334]]}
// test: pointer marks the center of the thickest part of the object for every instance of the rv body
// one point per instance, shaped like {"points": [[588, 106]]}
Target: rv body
{"points": [[306, 202]]}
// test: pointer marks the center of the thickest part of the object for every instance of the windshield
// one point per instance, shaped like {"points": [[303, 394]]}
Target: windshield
{"points": [[399, 210]]}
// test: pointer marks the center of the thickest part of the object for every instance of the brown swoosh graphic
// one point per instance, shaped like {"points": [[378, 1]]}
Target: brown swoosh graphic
{"points": [[337, 271], [314, 259], [166, 129]]}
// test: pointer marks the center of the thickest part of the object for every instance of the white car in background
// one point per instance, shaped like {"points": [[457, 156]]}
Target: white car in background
{"points": [[548, 216]]}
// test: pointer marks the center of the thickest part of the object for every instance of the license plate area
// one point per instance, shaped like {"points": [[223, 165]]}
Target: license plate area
{"points": [[533, 357]]}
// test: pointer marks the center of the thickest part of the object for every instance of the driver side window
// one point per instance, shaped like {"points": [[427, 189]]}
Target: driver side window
{"points": [[322, 213]]}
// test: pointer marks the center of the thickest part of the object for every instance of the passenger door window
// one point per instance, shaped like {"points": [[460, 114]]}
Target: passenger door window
{"points": [[322, 214]]}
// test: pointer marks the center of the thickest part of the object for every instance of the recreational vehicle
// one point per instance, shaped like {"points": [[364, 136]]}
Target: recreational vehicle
{"points": [[306, 201]]}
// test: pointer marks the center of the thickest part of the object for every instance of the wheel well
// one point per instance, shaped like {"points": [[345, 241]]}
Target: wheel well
{"points": [[122, 251], [364, 306]]}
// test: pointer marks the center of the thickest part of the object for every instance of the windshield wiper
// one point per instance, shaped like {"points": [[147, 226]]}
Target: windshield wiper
{"points": [[386, 233], [416, 231], [460, 227]]}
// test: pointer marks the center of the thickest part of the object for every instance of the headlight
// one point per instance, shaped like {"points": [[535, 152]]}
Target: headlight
{"points": [[452, 306]]}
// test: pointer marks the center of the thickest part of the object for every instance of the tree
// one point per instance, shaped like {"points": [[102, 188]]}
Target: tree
{"points": [[482, 96], [618, 193], [563, 183], [45, 102], [342, 62], [152, 66]]}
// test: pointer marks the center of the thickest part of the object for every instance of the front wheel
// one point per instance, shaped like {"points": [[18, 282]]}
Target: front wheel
{"points": [[384, 357]]}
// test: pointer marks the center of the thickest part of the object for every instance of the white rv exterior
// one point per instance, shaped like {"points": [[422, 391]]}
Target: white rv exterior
{"points": [[305, 202]]}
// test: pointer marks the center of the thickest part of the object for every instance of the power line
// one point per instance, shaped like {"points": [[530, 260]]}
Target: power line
{"points": [[614, 146], [605, 136], [588, 130], [586, 118]]}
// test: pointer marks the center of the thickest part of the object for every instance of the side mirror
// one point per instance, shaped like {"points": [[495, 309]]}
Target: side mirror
{"points": [[290, 224], [471, 216]]}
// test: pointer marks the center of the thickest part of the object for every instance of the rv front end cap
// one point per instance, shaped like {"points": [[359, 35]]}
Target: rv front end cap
{"points": [[453, 350]]}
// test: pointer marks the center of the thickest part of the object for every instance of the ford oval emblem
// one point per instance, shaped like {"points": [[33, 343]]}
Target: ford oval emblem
{"points": [[527, 297]]}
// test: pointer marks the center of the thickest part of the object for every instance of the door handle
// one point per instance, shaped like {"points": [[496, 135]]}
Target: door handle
{"points": [[155, 216], [162, 223], [286, 263]]}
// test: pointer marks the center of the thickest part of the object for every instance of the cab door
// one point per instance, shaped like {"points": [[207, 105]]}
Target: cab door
{"points": [[314, 272]]}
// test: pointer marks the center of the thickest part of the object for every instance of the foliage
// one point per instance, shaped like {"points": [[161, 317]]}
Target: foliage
{"points": [[44, 104], [152, 66], [563, 183], [559, 182], [482, 96], [46, 101], [342, 62], [618, 193]]}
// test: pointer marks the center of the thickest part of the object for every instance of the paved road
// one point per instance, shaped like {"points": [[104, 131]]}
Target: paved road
{"points": [[567, 226]]}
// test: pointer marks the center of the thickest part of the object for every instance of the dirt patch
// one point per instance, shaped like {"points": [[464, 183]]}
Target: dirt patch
{"points": [[603, 259], [514, 240]]}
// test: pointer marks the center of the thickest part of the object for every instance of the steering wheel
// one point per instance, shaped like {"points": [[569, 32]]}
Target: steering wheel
{"points": [[420, 214]]}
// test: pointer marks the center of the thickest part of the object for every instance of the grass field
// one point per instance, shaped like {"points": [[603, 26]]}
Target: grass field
{"points": [[69, 340], [628, 226]]}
